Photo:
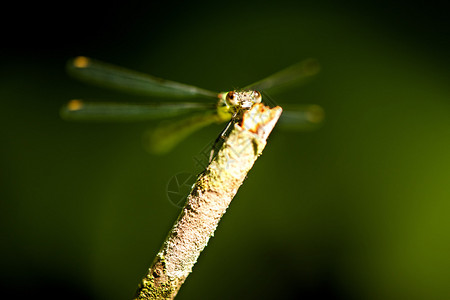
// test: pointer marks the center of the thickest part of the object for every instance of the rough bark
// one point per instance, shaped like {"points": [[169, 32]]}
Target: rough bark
{"points": [[207, 202]]}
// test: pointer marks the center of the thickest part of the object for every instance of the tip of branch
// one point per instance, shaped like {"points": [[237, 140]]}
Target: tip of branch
{"points": [[261, 119]]}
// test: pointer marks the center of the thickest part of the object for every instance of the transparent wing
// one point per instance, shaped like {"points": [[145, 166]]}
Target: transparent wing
{"points": [[110, 76], [78, 110], [168, 134], [294, 74], [302, 117]]}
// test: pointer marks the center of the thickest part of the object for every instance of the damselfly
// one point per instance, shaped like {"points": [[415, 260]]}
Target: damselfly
{"points": [[194, 115]]}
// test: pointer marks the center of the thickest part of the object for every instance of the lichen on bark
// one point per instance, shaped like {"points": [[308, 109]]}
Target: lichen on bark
{"points": [[207, 202]]}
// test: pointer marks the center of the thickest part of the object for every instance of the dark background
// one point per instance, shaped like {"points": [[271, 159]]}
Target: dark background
{"points": [[358, 209]]}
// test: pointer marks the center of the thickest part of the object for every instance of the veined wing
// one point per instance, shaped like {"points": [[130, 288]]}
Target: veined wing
{"points": [[168, 134], [78, 110], [110, 76], [301, 117], [294, 74]]}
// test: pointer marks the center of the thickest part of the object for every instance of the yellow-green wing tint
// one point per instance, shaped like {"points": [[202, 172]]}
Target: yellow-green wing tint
{"points": [[301, 117], [168, 134], [193, 116], [295, 74], [118, 78], [78, 110]]}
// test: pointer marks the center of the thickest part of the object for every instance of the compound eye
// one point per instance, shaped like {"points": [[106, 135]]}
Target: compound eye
{"points": [[232, 98], [231, 95], [257, 96]]}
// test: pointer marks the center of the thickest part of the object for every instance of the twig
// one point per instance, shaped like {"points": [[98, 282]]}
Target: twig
{"points": [[207, 202]]}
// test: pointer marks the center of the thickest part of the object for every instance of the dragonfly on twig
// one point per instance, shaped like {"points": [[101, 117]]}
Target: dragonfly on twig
{"points": [[226, 108]]}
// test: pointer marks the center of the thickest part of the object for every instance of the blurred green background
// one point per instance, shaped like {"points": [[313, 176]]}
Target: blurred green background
{"points": [[356, 210]]}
